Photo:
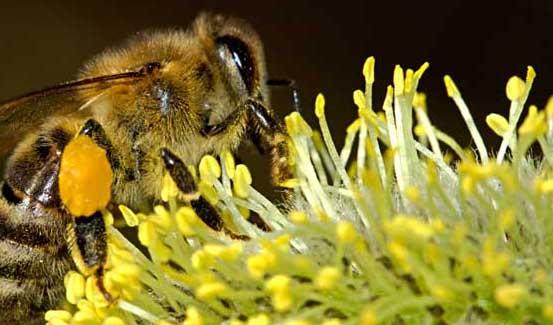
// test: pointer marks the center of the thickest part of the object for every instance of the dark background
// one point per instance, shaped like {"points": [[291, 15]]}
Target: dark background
{"points": [[322, 45]]}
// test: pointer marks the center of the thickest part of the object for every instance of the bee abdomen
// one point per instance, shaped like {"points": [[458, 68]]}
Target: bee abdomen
{"points": [[33, 257]]}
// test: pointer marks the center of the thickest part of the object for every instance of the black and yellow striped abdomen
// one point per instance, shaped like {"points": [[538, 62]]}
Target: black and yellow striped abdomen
{"points": [[34, 255]]}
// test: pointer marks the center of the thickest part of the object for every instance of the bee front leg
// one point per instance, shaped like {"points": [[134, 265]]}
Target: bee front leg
{"points": [[85, 179], [186, 184], [272, 138]]}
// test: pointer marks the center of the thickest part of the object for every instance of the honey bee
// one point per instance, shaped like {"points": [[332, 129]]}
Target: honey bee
{"points": [[154, 105]]}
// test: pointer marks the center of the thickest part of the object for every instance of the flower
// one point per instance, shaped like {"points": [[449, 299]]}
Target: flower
{"points": [[394, 227]]}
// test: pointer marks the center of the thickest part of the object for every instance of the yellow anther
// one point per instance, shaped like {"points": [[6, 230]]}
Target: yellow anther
{"points": [[208, 192], [346, 232], [368, 317], [259, 264], [548, 311], [112, 320], [327, 278], [497, 123], [186, 217], [298, 217], [413, 194], [74, 287], [209, 169], [278, 283], [201, 260], [228, 162], [530, 74], [63, 315], [409, 74], [297, 322], [193, 316], [290, 183], [320, 106], [509, 295], [85, 177], [507, 219], [534, 123], [451, 88], [168, 189], [242, 181], [354, 126], [147, 233], [368, 70], [260, 319], [332, 321], [442, 293], [420, 71], [296, 125], [515, 88], [400, 254], [359, 99], [419, 130], [211, 290], [419, 100], [399, 82]]}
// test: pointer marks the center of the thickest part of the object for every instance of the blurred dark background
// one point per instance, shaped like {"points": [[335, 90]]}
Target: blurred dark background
{"points": [[322, 45]]}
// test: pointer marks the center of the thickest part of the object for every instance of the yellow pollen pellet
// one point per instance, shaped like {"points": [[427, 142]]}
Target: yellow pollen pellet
{"points": [[85, 177]]}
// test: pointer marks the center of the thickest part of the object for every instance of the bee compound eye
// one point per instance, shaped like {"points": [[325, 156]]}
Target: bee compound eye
{"points": [[241, 57]]}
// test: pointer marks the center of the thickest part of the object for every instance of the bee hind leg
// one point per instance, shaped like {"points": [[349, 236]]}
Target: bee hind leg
{"points": [[187, 186], [88, 246]]}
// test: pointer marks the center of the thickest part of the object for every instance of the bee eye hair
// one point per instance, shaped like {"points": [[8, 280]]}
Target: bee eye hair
{"points": [[241, 57]]}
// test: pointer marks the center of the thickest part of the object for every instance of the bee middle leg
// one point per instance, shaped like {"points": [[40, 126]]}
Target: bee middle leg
{"points": [[186, 184]]}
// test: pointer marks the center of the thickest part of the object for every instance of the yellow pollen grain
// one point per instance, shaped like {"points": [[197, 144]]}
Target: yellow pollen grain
{"points": [[85, 177]]}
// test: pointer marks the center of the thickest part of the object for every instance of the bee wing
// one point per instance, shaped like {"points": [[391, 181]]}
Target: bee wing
{"points": [[19, 115]]}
